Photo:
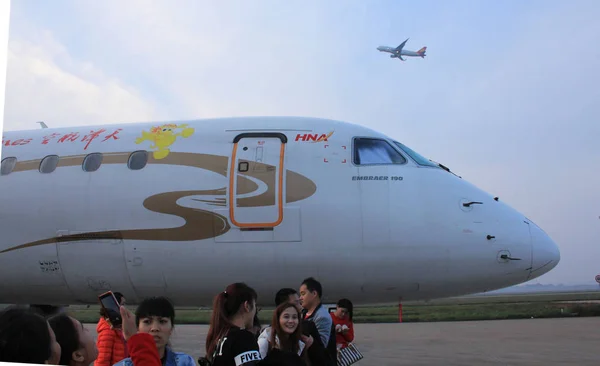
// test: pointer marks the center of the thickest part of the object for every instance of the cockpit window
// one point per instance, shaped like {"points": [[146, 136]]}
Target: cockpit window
{"points": [[371, 151], [418, 158]]}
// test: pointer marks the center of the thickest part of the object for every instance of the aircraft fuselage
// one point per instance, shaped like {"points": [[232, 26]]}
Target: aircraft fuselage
{"points": [[183, 209]]}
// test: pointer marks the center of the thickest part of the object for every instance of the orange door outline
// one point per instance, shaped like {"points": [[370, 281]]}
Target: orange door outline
{"points": [[233, 172]]}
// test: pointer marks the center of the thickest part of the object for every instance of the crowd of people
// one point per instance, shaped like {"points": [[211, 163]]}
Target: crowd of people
{"points": [[302, 332]]}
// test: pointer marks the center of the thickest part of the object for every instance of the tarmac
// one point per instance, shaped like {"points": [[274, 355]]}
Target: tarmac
{"points": [[564, 341]]}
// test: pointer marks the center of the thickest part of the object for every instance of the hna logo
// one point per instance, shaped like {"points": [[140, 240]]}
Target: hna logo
{"points": [[313, 137]]}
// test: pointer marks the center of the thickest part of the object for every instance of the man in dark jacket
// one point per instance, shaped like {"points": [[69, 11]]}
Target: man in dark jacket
{"points": [[331, 347], [311, 293], [317, 353]]}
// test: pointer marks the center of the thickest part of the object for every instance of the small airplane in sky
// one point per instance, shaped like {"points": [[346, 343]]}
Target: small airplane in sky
{"points": [[398, 52]]}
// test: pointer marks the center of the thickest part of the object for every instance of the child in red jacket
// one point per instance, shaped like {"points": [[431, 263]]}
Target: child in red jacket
{"points": [[111, 342], [342, 320]]}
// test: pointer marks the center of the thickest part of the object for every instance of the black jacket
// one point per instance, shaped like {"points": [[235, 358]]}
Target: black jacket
{"points": [[324, 354]]}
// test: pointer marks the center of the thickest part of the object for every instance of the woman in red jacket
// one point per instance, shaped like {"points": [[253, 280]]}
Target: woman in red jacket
{"points": [[342, 320], [111, 343]]}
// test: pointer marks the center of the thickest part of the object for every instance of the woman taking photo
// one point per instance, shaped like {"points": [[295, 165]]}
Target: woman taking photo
{"points": [[156, 316]]}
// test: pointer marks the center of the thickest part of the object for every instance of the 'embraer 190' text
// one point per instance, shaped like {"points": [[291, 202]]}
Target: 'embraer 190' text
{"points": [[376, 177]]}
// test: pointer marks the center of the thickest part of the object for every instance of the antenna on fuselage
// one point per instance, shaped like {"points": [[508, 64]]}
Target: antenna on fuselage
{"points": [[43, 124]]}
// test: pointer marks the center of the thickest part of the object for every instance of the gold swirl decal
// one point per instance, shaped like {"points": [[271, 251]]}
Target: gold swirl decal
{"points": [[199, 224]]}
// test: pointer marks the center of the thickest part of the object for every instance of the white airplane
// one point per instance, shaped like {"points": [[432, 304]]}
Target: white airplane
{"points": [[399, 51], [184, 208]]}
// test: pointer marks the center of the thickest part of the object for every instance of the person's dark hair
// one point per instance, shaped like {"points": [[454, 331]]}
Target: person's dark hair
{"points": [[256, 321], [119, 296], [283, 295], [256, 327], [346, 304], [66, 335], [225, 305], [24, 336], [313, 285], [155, 306]]}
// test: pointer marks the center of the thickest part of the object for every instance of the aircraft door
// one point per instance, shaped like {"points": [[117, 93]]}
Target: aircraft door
{"points": [[92, 266], [256, 180]]}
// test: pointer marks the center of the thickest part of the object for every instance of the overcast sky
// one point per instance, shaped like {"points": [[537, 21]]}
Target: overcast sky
{"points": [[507, 96]]}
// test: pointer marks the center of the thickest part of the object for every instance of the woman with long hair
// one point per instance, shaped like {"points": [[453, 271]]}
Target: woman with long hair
{"points": [[282, 341], [229, 342]]}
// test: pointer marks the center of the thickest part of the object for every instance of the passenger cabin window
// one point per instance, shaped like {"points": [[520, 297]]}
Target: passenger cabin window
{"points": [[48, 164], [418, 158], [92, 162], [7, 165], [371, 151], [137, 160]]}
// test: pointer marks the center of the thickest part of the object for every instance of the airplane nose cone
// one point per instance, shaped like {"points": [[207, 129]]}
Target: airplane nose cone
{"points": [[546, 254]]}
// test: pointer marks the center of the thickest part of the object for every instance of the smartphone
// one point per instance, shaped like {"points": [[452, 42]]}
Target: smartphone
{"points": [[109, 302]]}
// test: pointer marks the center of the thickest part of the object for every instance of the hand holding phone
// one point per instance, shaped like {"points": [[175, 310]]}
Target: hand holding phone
{"points": [[129, 326], [109, 302]]}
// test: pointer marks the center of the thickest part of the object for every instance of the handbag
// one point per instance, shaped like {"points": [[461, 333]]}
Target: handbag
{"points": [[349, 355]]}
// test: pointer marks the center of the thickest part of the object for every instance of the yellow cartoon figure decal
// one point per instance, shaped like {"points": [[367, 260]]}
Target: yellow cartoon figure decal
{"points": [[163, 137]]}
